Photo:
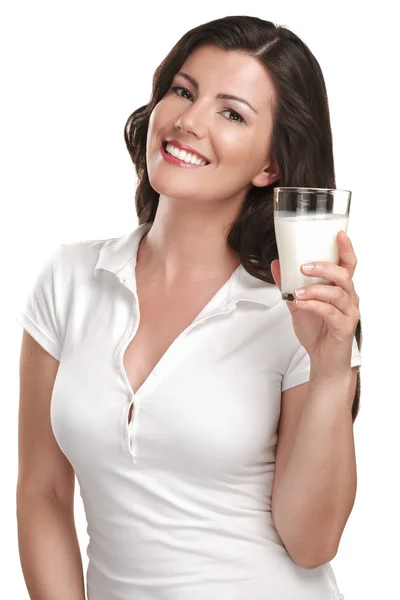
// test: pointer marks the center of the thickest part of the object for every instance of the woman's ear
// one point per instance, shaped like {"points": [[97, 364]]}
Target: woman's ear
{"points": [[268, 175]]}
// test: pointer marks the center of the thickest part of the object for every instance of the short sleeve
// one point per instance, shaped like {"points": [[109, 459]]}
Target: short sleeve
{"points": [[39, 311], [298, 371]]}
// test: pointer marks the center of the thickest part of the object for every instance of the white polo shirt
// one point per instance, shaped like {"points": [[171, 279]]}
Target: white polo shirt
{"points": [[178, 503]]}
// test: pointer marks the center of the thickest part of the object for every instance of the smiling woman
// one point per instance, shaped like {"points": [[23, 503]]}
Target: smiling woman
{"points": [[179, 391]]}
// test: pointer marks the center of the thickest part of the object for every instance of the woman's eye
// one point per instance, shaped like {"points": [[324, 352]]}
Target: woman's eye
{"points": [[180, 91], [177, 88], [237, 118]]}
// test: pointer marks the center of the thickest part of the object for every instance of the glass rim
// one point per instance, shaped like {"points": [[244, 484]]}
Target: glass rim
{"points": [[309, 189]]}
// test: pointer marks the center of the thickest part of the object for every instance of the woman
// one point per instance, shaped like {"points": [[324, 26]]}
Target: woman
{"points": [[208, 422]]}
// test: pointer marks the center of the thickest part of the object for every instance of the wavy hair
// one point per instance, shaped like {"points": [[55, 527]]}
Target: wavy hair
{"points": [[301, 136]]}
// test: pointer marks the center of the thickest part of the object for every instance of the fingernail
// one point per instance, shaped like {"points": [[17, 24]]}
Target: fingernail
{"points": [[308, 266], [300, 291]]}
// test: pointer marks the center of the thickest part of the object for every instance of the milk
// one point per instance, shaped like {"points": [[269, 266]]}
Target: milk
{"points": [[305, 238]]}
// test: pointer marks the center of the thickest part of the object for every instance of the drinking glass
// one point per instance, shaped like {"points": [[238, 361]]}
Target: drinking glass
{"points": [[307, 221]]}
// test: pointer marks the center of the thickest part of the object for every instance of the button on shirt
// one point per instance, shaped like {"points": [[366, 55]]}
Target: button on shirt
{"points": [[178, 500]]}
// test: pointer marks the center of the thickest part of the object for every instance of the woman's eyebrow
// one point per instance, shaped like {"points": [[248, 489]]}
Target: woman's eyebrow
{"points": [[219, 96]]}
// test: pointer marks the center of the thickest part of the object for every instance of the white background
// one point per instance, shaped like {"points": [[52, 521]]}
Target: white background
{"points": [[71, 74]]}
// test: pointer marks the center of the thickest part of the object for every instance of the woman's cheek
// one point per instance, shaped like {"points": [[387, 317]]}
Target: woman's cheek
{"points": [[235, 148]]}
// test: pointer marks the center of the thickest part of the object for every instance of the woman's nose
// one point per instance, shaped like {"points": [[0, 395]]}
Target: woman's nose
{"points": [[192, 120]]}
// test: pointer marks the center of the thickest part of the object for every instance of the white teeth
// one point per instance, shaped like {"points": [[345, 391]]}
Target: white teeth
{"points": [[174, 151], [186, 157]]}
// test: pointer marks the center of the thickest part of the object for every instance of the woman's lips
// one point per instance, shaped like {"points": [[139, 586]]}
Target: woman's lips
{"points": [[185, 147], [176, 161]]}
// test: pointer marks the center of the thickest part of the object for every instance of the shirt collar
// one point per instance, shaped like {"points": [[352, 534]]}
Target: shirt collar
{"points": [[118, 256]]}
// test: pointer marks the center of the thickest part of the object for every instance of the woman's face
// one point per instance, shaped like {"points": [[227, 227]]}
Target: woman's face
{"points": [[233, 135]]}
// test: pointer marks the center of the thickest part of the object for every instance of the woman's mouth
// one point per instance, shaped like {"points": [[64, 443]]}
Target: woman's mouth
{"points": [[182, 158]]}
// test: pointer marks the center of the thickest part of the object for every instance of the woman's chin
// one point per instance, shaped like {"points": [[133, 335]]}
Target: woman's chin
{"points": [[171, 188]]}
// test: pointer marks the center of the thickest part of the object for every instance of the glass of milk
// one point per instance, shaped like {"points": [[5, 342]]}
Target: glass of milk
{"points": [[307, 221]]}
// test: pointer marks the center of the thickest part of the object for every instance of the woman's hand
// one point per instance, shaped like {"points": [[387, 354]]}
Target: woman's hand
{"points": [[326, 317]]}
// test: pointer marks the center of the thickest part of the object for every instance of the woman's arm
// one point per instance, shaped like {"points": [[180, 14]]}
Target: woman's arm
{"points": [[49, 549], [48, 544], [315, 479]]}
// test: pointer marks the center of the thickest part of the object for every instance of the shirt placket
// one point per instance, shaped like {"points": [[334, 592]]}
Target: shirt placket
{"points": [[165, 364]]}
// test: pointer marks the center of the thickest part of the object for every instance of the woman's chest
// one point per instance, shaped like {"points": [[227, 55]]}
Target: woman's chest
{"points": [[161, 321], [198, 376]]}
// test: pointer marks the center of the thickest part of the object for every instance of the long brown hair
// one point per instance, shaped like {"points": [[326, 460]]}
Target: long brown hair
{"points": [[301, 137]]}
